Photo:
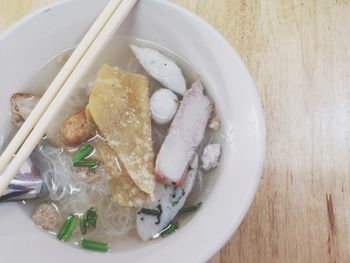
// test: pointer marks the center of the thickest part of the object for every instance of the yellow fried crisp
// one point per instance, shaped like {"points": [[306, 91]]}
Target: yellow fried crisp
{"points": [[125, 191], [119, 107]]}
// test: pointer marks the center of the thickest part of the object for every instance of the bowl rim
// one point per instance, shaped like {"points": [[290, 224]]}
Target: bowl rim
{"points": [[261, 130]]}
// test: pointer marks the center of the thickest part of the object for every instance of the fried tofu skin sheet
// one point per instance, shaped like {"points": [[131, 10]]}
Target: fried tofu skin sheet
{"points": [[119, 107], [125, 191]]}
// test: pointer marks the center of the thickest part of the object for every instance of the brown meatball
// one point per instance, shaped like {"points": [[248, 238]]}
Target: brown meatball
{"points": [[75, 129], [47, 217]]}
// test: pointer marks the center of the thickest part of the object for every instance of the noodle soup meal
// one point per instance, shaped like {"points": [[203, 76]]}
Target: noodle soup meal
{"points": [[128, 156]]}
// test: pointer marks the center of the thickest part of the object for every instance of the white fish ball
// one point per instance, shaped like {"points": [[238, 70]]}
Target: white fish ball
{"points": [[164, 104]]}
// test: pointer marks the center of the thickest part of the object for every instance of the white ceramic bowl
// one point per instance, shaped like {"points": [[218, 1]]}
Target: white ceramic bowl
{"points": [[40, 36]]}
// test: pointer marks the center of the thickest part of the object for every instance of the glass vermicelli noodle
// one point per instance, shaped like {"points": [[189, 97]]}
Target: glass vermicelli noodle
{"points": [[71, 193], [131, 153]]}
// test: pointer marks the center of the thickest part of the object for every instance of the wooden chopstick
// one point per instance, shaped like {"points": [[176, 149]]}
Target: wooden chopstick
{"points": [[82, 67], [57, 83]]}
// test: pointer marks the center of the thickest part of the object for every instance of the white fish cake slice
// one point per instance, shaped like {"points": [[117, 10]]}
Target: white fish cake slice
{"points": [[161, 68], [170, 200]]}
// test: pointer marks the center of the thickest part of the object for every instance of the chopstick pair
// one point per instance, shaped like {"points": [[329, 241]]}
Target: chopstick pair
{"points": [[32, 130]]}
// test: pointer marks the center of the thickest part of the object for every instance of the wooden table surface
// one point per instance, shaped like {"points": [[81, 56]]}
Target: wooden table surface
{"points": [[298, 53]]}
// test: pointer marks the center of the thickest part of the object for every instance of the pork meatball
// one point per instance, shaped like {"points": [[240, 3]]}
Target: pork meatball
{"points": [[75, 129], [47, 217]]}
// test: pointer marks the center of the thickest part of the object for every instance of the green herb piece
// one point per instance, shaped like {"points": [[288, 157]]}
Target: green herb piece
{"points": [[94, 245], [152, 212], [83, 152], [86, 163], [93, 170], [68, 228], [170, 229], [189, 209], [174, 203], [91, 217], [83, 225]]}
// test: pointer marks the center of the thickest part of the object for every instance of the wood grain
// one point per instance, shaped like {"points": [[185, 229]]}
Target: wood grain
{"points": [[12, 10], [298, 53]]}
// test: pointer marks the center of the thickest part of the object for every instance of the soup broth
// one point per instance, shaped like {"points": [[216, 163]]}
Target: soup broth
{"points": [[72, 194]]}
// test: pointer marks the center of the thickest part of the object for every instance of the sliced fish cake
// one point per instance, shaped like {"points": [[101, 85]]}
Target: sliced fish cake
{"points": [[169, 200], [161, 68]]}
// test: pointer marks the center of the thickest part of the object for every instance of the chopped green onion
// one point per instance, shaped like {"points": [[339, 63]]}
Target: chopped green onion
{"points": [[83, 225], [86, 163], [91, 217], [152, 212], [94, 245], [174, 203], [68, 228], [189, 209], [83, 152], [93, 170], [170, 229]]}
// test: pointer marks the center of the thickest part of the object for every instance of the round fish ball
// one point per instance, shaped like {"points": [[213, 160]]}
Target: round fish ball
{"points": [[164, 104], [47, 217]]}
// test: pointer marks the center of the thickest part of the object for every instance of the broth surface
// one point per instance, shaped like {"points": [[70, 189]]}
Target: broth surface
{"points": [[117, 53]]}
